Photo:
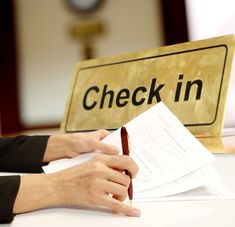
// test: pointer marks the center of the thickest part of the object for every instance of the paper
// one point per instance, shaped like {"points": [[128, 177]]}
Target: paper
{"points": [[198, 178], [65, 163], [215, 191], [162, 147], [170, 158]]}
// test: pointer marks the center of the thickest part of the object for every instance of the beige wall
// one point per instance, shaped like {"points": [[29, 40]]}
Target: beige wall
{"points": [[47, 53]]}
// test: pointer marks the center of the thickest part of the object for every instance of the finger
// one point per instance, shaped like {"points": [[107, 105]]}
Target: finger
{"points": [[122, 162], [102, 133], [120, 197], [105, 148], [73, 154], [117, 190], [120, 207], [118, 177]]}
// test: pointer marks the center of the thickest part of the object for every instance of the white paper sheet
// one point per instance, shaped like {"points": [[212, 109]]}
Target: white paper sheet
{"points": [[162, 147], [215, 191], [65, 163], [204, 176]]}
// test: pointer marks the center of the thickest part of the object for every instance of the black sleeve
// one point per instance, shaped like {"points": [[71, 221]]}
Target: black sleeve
{"points": [[18, 154], [22, 153], [9, 186]]}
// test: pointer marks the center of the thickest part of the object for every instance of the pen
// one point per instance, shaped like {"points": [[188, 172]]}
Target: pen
{"points": [[125, 150]]}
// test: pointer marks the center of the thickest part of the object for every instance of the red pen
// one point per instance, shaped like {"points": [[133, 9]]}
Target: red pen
{"points": [[125, 150]]}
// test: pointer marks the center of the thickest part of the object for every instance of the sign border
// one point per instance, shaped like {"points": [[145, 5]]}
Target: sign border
{"points": [[145, 58]]}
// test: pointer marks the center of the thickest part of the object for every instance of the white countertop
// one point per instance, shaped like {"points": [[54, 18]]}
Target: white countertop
{"points": [[172, 213]]}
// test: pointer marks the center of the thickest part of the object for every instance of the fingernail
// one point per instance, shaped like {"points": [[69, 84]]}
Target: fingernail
{"points": [[136, 212]]}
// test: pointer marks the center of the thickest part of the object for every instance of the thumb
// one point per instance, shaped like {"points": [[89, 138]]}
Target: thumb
{"points": [[106, 148]]}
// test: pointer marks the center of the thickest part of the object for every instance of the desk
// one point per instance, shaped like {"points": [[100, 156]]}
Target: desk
{"points": [[177, 213]]}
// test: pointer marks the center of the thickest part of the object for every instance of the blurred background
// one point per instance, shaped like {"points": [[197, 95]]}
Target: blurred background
{"points": [[41, 41]]}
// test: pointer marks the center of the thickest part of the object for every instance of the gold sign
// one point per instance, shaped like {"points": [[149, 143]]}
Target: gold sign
{"points": [[190, 78]]}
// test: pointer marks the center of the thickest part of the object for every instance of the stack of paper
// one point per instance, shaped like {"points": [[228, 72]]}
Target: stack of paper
{"points": [[171, 160]]}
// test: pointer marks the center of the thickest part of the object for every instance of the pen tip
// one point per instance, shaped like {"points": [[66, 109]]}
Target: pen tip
{"points": [[123, 130]]}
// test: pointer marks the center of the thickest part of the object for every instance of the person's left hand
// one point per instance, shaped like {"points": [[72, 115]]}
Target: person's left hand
{"points": [[71, 145]]}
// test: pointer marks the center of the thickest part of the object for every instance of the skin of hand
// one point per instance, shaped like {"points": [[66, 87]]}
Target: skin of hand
{"points": [[71, 145], [99, 181]]}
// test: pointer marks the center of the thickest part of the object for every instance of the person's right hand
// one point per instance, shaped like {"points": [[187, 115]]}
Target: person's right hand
{"points": [[98, 182]]}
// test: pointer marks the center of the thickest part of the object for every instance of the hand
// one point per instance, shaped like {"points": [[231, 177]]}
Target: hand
{"points": [[89, 184], [92, 183], [71, 145]]}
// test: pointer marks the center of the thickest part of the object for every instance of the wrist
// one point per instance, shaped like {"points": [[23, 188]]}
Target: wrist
{"points": [[36, 191], [56, 148]]}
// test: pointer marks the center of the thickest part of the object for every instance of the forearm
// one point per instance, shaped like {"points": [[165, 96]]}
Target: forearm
{"points": [[36, 192]]}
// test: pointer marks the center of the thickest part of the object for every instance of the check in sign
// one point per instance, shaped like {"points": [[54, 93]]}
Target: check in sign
{"points": [[190, 78]]}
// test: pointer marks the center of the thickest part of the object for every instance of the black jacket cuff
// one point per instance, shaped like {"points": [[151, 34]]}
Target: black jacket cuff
{"points": [[25, 154], [9, 186]]}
